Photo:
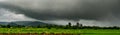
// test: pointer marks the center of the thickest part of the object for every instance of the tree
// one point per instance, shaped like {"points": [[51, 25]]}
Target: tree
{"points": [[0, 26], [78, 25], [49, 26], [8, 26], [69, 24], [19, 26]]}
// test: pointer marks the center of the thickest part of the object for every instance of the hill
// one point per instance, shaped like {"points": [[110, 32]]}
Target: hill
{"points": [[30, 23], [4, 23], [25, 23]]}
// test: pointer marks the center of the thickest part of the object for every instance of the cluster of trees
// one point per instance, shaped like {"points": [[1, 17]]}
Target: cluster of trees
{"points": [[80, 26], [49, 26], [11, 26]]}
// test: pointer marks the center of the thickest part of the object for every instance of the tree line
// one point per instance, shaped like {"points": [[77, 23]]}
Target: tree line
{"points": [[68, 26]]}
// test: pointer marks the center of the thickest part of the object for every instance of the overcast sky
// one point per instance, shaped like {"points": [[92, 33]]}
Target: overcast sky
{"points": [[8, 16], [87, 12]]}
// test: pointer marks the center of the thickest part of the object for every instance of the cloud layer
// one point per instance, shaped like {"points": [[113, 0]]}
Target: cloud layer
{"points": [[97, 10], [8, 16], [66, 9]]}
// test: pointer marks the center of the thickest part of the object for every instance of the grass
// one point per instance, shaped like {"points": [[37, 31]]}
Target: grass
{"points": [[53, 30]]}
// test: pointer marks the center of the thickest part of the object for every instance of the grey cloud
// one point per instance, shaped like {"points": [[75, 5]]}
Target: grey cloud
{"points": [[7, 16], [65, 9], [100, 10]]}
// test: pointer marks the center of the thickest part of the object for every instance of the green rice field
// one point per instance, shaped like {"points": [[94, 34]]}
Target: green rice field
{"points": [[54, 30]]}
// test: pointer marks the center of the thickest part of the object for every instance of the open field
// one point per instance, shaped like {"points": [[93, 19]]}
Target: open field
{"points": [[53, 30]]}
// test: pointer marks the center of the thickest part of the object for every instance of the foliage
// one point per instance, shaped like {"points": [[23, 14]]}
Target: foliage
{"points": [[54, 30], [49, 26]]}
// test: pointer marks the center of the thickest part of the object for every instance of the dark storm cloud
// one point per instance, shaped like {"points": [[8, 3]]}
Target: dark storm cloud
{"points": [[66, 9]]}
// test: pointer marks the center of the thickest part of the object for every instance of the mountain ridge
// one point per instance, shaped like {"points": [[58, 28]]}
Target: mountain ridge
{"points": [[25, 23]]}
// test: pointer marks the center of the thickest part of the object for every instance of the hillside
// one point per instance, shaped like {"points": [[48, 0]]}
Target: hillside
{"points": [[25, 23]]}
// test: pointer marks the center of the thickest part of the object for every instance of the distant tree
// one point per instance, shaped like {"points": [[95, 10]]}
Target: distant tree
{"points": [[116, 27], [0, 26], [74, 27], [77, 25], [69, 24], [8, 26], [20, 26], [48, 26], [3, 26]]}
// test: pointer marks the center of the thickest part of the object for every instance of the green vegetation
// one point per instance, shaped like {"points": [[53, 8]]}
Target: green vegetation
{"points": [[54, 30], [76, 29]]}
